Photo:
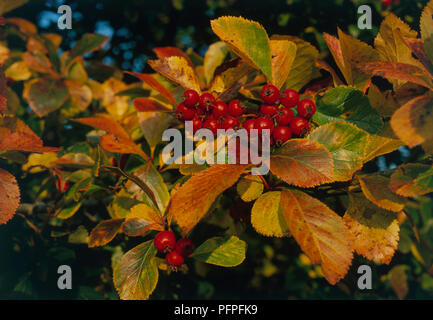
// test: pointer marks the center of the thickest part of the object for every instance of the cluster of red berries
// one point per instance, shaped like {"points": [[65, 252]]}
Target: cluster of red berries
{"points": [[206, 112], [176, 250], [277, 114]]}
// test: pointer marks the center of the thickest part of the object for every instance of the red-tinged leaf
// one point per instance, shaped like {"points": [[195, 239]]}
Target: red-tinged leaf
{"points": [[412, 180], [136, 274], [398, 71], [303, 163], [104, 232], [9, 196], [165, 52], [320, 233], [375, 230], [39, 62], [194, 198], [150, 104], [412, 122], [177, 70], [17, 136], [23, 25], [335, 48], [417, 48], [154, 84], [45, 95]]}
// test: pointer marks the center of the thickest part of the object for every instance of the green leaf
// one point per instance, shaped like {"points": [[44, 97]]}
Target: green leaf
{"points": [[69, 210], [347, 145], [248, 39], [79, 236], [347, 104], [88, 43], [136, 274], [225, 252], [267, 217], [45, 95]]}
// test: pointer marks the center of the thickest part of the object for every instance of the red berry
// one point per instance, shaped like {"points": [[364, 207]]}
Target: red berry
{"points": [[386, 2], [299, 126], [249, 125], [174, 259], [285, 115], [219, 109], [183, 113], [206, 101], [281, 134], [230, 123], [190, 98], [271, 141], [236, 108], [212, 124], [196, 123], [2, 21], [165, 241], [268, 109], [264, 123], [306, 108], [184, 247], [289, 98], [269, 94]]}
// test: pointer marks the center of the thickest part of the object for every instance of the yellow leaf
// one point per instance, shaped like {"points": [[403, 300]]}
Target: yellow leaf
{"points": [[104, 232], [140, 219], [375, 188], [178, 70], [267, 215], [39, 162], [194, 198], [249, 188], [320, 233], [81, 95], [115, 105], [398, 281], [375, 230], [283, 54], [18, 71], [213, 57]]}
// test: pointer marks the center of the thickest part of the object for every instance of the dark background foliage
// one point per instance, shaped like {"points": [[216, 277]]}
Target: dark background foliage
{"points": [[273, 269]]}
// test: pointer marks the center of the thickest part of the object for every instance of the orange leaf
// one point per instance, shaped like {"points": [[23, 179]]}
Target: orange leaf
{"points": [[104, 232], [335, 48], [17, 136], [397, 71], [375, 230], [117, 140], [413, 179], [194, 198], [150, 104], [412, 122], [375, 188], [320, 232], [303, 163], [140, 219], [165, 52], [151, 81], [177, 70], [9, 196]]}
